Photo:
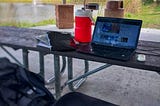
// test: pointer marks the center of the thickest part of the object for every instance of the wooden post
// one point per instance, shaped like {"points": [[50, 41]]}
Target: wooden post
{"points": [[64, 16], [114, 8]]}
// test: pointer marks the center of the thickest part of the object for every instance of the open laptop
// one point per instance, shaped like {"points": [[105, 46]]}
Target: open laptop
{"points": [[114, 38]]}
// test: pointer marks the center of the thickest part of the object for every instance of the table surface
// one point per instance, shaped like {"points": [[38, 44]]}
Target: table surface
{"points": [[26, 38]]}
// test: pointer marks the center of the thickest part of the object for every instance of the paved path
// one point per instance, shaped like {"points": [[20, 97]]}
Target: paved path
{"points": [[120, 85]]}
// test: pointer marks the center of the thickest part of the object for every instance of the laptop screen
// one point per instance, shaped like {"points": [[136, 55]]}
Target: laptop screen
{"points": [[117, 32]]}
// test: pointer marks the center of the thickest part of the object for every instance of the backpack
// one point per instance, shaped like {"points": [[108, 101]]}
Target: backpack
{"points": [[20, 87]]}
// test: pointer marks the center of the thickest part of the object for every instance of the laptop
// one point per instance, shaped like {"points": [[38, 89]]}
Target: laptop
{"points": [[113, 38]]}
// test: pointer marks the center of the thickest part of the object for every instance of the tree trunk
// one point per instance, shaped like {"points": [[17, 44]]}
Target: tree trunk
{"points": [[158, 2], [64, 1]]}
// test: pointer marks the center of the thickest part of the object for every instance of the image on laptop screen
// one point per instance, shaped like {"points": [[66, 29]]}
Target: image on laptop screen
{"points": [[117, 32]]}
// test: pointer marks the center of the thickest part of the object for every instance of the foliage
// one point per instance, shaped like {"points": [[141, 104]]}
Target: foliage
{"points": [[147, 1], [150, 15], [132, 6]]}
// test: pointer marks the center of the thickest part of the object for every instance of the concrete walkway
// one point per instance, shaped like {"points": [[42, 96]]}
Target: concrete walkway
{"points": [[119, 85]]}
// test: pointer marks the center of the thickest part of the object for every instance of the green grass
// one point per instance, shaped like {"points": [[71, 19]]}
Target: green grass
{"points": [[29, 24], [150, 14]]}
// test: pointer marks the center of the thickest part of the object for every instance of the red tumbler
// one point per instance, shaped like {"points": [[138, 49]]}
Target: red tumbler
{"points": [[83, 26]]}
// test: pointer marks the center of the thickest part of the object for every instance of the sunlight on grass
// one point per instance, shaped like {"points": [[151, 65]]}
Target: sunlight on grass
{"points": [[150, 16], [28, 24]]}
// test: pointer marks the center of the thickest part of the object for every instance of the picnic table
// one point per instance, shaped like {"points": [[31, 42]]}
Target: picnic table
{"points": [[24, 38]]}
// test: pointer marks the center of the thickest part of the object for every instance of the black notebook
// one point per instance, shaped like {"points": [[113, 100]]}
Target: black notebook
{"points": [[61, 41], [56, 41]]}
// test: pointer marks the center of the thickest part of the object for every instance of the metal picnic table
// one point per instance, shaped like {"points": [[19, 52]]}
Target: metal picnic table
{"points": [[24, 38]]}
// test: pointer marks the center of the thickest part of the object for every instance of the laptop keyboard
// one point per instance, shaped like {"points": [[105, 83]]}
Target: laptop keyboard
{"points": [[111, 51]]}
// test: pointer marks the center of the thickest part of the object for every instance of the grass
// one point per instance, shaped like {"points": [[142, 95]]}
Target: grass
{"points": [[150, 14], [28, 24]]}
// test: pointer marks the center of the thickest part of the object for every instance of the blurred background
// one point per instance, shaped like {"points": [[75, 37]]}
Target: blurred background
{"points": [[30, 13]]}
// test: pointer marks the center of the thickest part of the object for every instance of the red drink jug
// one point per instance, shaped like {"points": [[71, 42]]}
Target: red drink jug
{"points": [[83, 26]]}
